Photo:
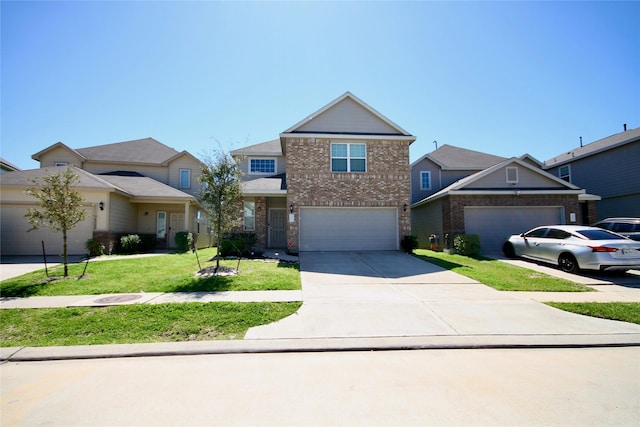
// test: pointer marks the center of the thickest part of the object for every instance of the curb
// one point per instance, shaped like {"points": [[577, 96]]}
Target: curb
{"points": [[472, 342]]}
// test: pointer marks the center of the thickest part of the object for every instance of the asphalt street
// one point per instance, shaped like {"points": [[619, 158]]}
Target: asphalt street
{"points": [[524, 387]]}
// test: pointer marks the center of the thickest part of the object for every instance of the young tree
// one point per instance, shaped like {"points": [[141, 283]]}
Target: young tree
{"points": [[59, 205], [221, 194]]}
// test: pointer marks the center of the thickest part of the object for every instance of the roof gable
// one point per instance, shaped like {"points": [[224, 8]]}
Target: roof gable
{"points": [[348, 115], [57, 145], [25, 178], [494, 179]]}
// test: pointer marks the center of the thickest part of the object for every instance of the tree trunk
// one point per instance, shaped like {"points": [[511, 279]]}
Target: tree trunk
{"points": [[64, 252]]}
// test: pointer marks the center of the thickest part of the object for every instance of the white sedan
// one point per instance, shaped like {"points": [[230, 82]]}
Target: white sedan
{"points": [[574, 247]]}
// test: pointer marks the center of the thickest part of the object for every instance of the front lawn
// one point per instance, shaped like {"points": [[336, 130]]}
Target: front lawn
{"points": [[138, 323], [162, 273], [500, 275], [624, 311]]}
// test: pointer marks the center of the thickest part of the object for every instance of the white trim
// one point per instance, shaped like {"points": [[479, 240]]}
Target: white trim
{"points": [[568, 166], [512, 168], [348, 158], [275, 165], [349, 136], [358, 101], [425, 188], [180, 178]]}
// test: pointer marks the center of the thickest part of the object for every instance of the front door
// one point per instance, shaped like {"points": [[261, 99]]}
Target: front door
{"points": [[277, 228], [176, 224]]}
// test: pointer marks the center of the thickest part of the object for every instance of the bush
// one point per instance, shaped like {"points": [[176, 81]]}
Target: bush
{"points": [[467, 244], [237, 244], [94, 247], [130, 243], [184, 240], [149, 242], [409, 243]]}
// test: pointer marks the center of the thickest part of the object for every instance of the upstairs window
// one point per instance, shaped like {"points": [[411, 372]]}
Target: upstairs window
{"points": [[512, 175], [348, 158], [565, 173], [57, 164], [425, 180], [185, 178], [262, 166]]}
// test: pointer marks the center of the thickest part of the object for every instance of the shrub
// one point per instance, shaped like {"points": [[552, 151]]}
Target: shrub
{"points": [[184, 240], [149, 242], [130, 243], [409, 243], [467, 244], [237, 244], [94, 247]]}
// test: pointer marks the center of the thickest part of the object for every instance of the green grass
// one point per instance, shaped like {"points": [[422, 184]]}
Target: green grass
{"points": [[139, 323], [624, 311], [163, 273], [500, 275]]}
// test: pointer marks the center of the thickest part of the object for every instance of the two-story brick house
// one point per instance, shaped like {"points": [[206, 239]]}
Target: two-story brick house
{"points": [[140, 186], [337, 180]]}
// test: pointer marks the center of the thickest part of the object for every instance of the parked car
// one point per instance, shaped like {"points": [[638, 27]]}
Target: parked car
{"points": [[574, 247], [628, 227]]}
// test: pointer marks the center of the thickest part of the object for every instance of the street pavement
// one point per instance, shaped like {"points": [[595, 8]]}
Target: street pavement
{"points": [[467, 387]]}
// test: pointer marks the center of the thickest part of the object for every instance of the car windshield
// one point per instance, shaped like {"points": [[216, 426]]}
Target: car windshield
{"points": [[600, 235]]}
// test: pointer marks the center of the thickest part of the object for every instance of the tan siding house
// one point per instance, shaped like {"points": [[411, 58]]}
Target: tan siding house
{"points": [[133, 187]]}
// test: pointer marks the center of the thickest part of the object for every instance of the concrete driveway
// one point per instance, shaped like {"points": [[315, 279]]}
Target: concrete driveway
{"points": [[392, 294]]}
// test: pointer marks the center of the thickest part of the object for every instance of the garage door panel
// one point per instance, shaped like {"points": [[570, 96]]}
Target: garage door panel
{"points": [[15, 240], [347, 229], [495, 224]]}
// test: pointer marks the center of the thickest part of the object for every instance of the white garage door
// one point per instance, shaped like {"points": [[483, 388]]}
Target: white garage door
{"points": [[495, 224], [348, 229], [16, 241]]}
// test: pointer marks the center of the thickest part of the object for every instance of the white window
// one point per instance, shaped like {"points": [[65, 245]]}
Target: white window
{"points": [[512, 175], [185, 178], [348, 158], [262, 166], [565, 173], [249, 216], [61, 164], [425, 180]]}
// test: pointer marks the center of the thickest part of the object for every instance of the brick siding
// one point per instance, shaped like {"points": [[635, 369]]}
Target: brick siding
{"points": [[310, 181]]}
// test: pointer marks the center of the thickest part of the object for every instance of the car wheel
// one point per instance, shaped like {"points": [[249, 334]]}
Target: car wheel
{"points": [[508, 250], [568, 263]]}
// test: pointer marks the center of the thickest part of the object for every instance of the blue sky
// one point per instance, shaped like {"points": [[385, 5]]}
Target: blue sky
{"points": [[506, 78]]}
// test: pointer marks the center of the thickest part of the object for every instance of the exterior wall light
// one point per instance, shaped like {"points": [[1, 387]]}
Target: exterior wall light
{"points": [[101, 206], [291, 208], [404, 207]]}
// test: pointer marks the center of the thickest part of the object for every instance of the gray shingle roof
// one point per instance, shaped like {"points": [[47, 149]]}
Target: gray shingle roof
{"points": [[25, 178], [452, 157], [146, 150], [595, 147], [269, 148], [145, 187]]}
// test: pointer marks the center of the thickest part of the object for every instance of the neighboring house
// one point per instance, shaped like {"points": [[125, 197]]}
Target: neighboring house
{"points": [[444, 166], [609, 167], [141, 187], [337, 180], [6, 166], [506, 198]]}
